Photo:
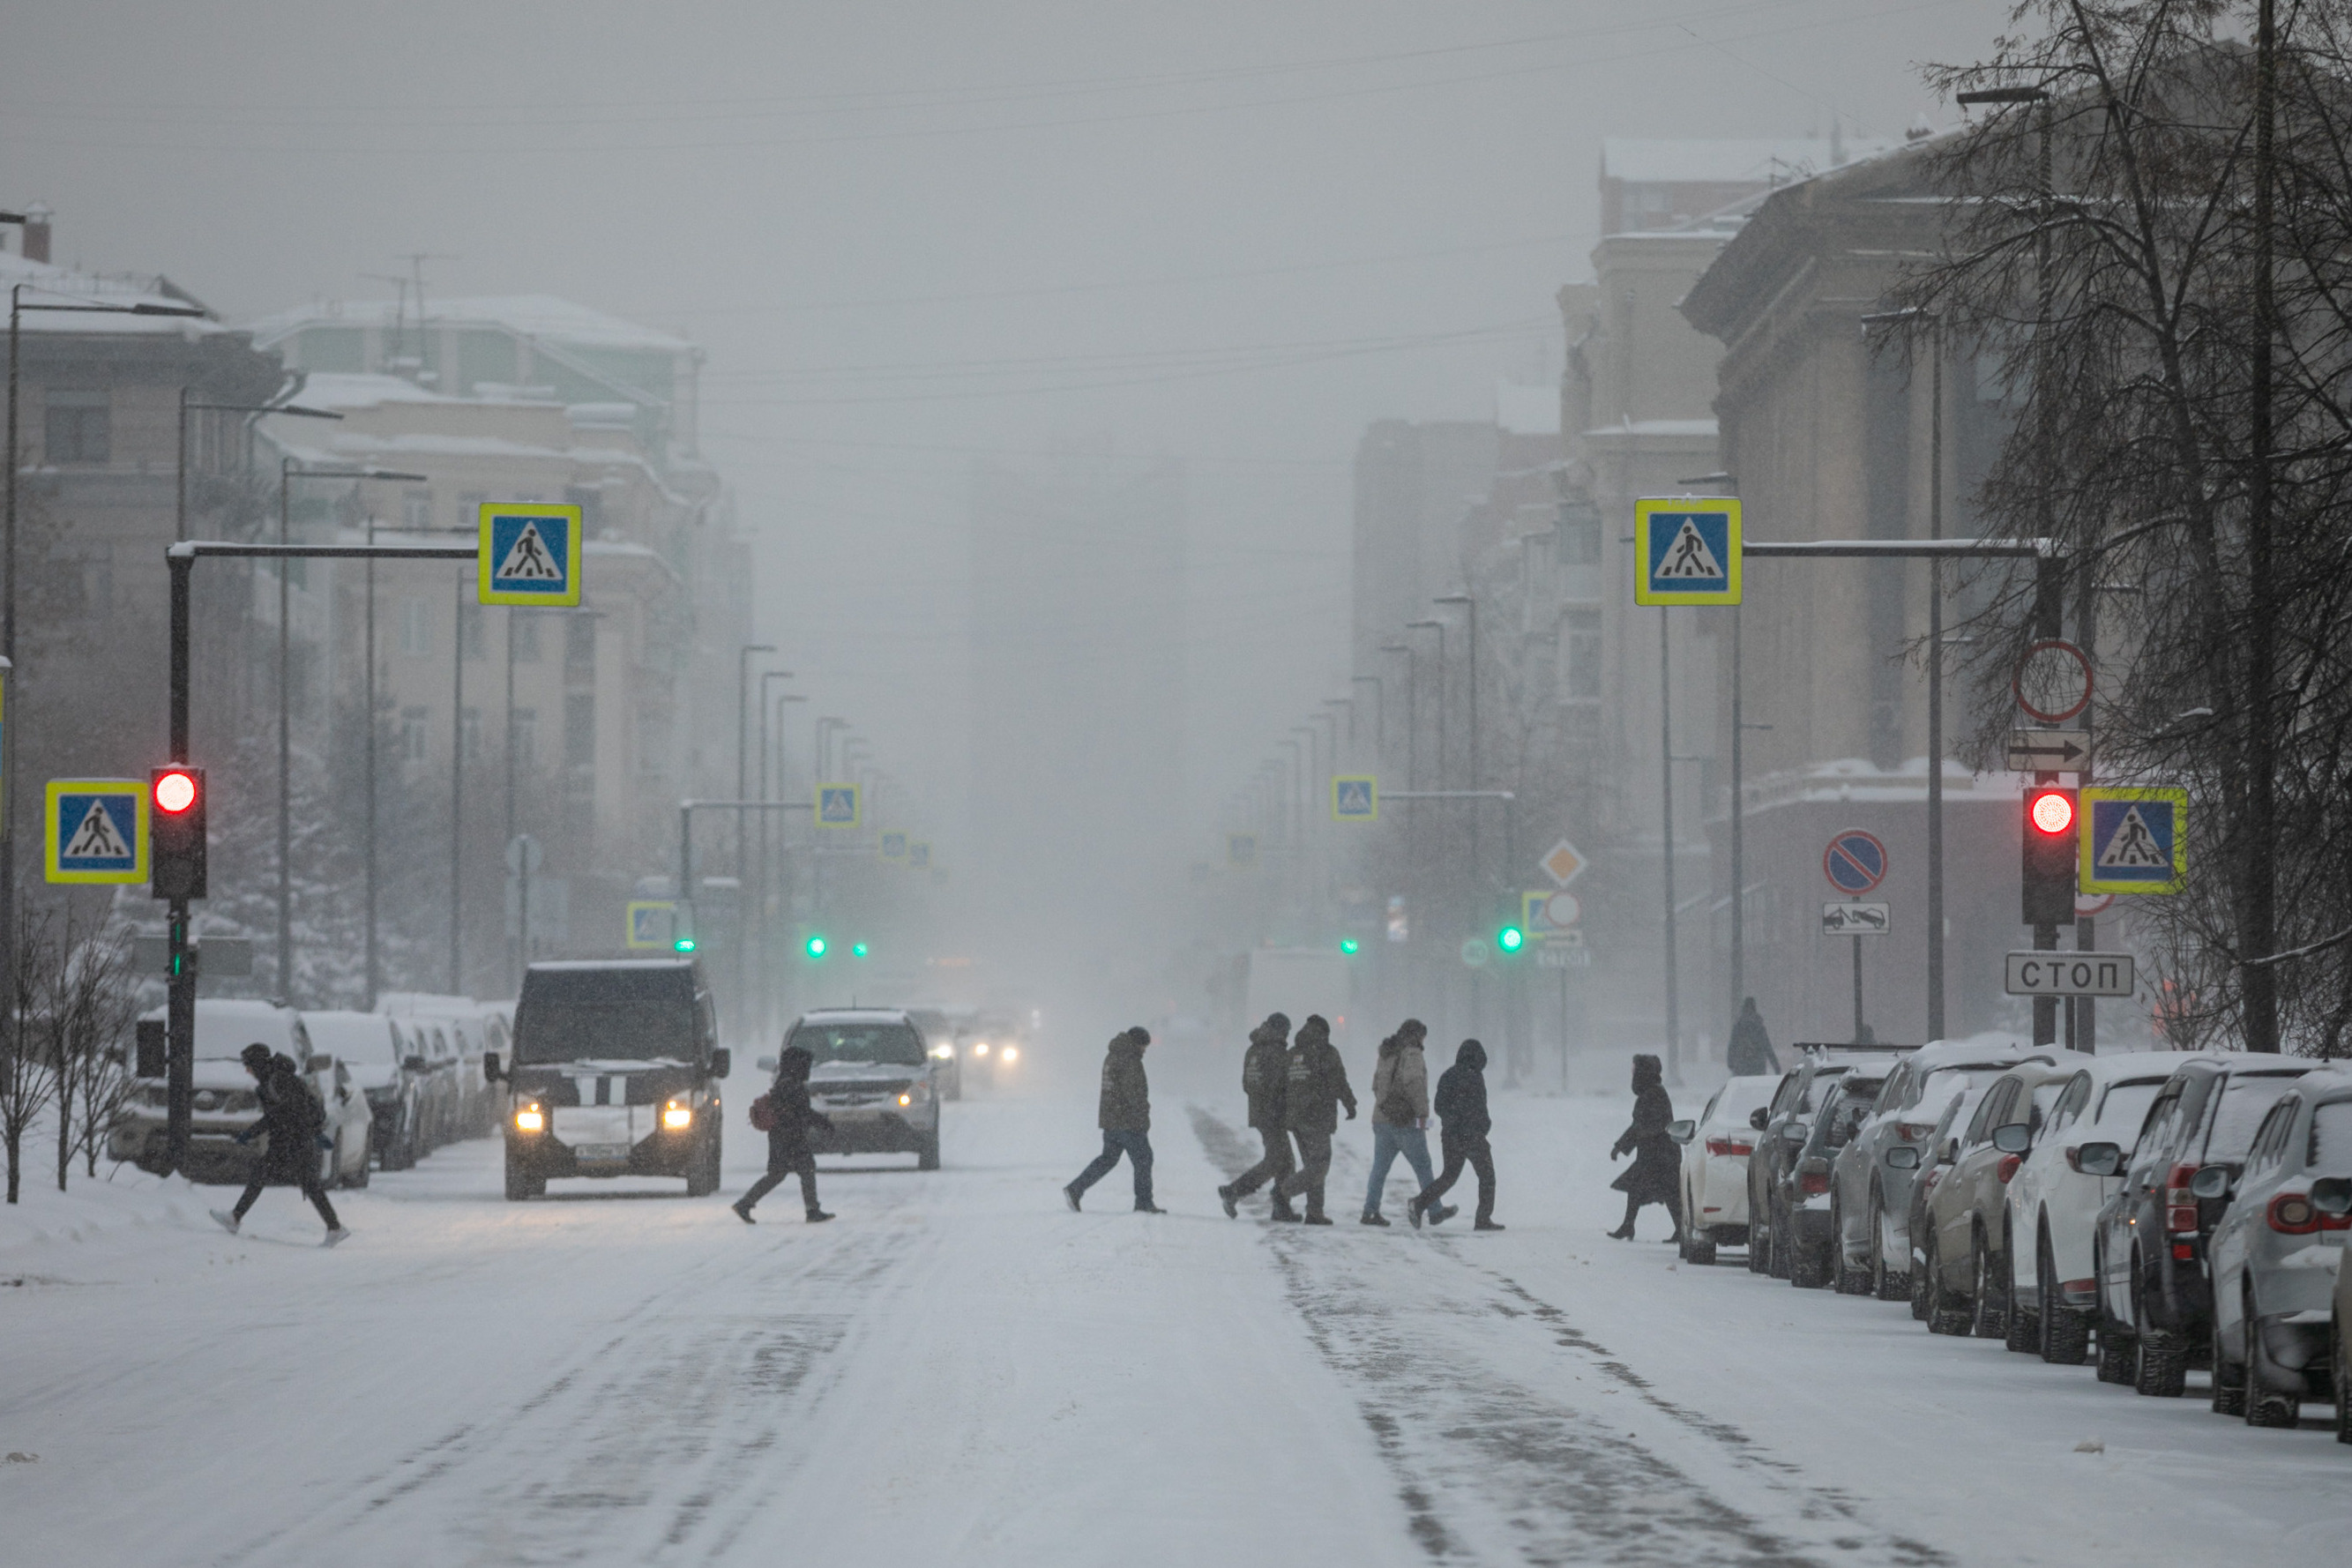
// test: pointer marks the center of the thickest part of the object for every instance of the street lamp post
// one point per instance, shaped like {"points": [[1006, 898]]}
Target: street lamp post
{"points": [[1380, 714], [1470, 605], [779, 872]]}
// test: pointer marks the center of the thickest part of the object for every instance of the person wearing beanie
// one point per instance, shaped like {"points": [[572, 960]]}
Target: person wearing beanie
{"points": [[1461, 1106], [1317, 1086], [1265, 1075], [1125, 1119], [1400, 1113], [295, 1124]]}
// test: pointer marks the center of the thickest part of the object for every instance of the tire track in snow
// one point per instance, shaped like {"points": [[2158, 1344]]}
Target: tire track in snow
{"points": [[1494, 1465]]}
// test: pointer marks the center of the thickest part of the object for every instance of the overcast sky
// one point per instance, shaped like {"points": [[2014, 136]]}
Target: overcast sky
{"points": [[909, 234]]}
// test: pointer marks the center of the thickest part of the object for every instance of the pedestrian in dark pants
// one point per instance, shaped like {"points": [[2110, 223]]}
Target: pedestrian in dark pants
{"points": [[1125, 1120], [1749, 1054], [1317, 1086], [295, 1124], [1400, 1113], [1265, 1075], [1654, 1176], [1462, 1111], [789, 1152]]}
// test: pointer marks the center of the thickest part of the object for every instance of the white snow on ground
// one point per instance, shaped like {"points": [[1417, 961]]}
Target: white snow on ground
{"points": [[959, 1370]]}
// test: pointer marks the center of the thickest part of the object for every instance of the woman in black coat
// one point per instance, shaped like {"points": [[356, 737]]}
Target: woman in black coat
{"points": [[788, 1147], [1655, 1174]]}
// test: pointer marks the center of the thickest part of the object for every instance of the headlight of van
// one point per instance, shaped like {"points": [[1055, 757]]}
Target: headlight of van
{"points": [[530, 1118], [677, 1116]]}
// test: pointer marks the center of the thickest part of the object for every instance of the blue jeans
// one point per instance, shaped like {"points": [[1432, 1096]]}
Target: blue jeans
{"points": [[1388, 1142], [1137, 1146]]}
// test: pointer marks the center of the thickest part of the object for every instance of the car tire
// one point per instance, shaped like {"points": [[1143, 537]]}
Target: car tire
{"points": [[2342, 1377], [1948, 1310], [1781, 1258], [702, 1175], [2065, 1333], [2273, 1394], [1987, 1310], [359, 1177], [521, 1185], [1702, 1249], [2229, 1381], [1759, 1240], [1922, 1304], [1886, 1283], [2118, 1350], [1844, 1278], [926, 1158], [2163, 1370], [2021, 1329]]}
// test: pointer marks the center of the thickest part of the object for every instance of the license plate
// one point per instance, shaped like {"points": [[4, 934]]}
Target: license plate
{"points": [[602, 1153]]}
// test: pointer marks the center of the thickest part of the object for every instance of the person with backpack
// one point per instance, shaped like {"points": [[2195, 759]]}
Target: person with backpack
{"points": [[785, 1114], [1462, 1110], [295, 1123], [1317, 1086], [1400, 1113], [1266, 1073], [1124, 1117]]}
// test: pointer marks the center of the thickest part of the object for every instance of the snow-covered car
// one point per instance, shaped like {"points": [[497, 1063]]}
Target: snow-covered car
{"points": [[615, 1073], [1929, 1161], [225, 1103], [1870, 1194], [1803, 1214], [1785, 1124], [462, 1031], [391, 1079], [2277, 1251], [2056, 1203], [1716, 1147], [1972, 1243], [874, 1078]]}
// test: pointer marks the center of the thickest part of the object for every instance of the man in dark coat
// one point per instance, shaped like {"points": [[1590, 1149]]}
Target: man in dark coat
{"points": [[1655, 1174], [1316, 1088], [1265, 1075], [295, 1123], [1750, 1055], [1461, 1106], [788, 1144], [1125, 1118]]}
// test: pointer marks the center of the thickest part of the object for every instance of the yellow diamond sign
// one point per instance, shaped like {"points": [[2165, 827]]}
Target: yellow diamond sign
{"points": [[1563, 863]]}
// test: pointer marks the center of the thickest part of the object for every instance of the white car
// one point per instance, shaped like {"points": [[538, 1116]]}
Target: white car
{"points": [[2054, 1201], [1715, 1148], [225, 1103]]}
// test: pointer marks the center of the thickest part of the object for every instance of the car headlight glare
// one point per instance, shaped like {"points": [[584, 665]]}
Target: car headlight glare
{"points": [[945, 1053], [1009, 1054], [981, 1049], [676, 1116], [530, 1118]]}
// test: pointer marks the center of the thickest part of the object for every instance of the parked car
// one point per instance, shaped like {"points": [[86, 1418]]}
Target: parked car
{"points": [[1716, 1147], [444, 1094], [393, 1078], [1871, 1195], [463, 1030], [226, 1105], [1803, 1219], [2056, 1203], [2152, 1242], [1970, 1243], [874, 1078], [615, 1073], [1931, 1164], [2334, 1200], [1784, 1124], [2277, 1251]]}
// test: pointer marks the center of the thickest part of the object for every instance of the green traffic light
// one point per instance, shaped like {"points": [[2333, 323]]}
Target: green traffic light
{"points": [[815, 947], [858, 949], [684, 944], [1349, 945], [1510, 939]]}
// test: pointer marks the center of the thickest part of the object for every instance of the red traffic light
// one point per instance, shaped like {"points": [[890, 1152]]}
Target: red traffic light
{"points": [[175, 791], [2051, 812]]}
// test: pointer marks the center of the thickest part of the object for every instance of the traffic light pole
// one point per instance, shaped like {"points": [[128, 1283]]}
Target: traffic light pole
{"points": [[180, 981]]}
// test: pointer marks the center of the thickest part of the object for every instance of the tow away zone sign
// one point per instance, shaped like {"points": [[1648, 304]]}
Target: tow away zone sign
{"points": [[2069, 975]]}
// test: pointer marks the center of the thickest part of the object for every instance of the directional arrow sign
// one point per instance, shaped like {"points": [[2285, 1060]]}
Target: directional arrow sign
{"points": [[2047, 750]]}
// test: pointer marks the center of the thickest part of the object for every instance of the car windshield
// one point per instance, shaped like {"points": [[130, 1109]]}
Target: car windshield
{"points": [[2244, 1103], [1742, 1097], [2125, 1105], [601, 1031], [893, 1042], [2331, 1139], [1824, 1080]]}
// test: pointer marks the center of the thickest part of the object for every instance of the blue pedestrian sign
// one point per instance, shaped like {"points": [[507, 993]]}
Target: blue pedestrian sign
{"points": [[837, 806], [1854, 862], [530, 553], [96, 830], [2135, 840], [1686, 550], [894, 846], [918, 856], [1355, 797], [651, 921]]}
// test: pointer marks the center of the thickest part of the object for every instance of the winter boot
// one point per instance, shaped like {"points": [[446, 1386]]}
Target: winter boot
{"points": [[1485, 1224], [1318, 1219], [336, 1237], [1149, 1208], [1374, 1219], [815, 1216], [1443, 1212], [1226, 1196], [1413, 1211], [1070, 1196], [229, 1222], [743, 1213]]}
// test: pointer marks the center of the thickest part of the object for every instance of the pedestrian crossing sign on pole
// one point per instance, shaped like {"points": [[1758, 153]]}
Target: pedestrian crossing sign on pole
{"points": [[894, 846], [96, 830], [651, 922], [1355, 797], [530, 553], [837, 806], [1686, 550], [918, 856], [2134, 840]]}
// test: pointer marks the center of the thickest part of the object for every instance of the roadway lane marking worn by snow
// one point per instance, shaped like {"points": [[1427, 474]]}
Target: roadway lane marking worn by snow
{"points": [[1505, 1450]]}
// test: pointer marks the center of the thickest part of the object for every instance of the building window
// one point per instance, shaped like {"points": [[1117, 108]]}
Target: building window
{"points": [[525, 722], [1580, 643], [416, 510], [523, 629], [469, 735], [416, 627], [79, 427], [580, 730], [412, 735]]}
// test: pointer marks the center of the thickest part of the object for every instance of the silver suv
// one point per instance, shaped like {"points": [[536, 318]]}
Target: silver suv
{"points": [[875, 1079]]}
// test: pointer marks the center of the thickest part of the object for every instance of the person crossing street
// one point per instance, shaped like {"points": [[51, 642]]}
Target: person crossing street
{"points": [[1316, 1088], [1265, 1072], [1400, 1113], [789, 1116], [295, 1123], [1125, 1119], [1461, 1107]]}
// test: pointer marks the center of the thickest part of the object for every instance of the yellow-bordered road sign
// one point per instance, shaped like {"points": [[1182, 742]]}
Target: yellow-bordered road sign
{"points": [[893, 846], [918, 856], [95, 830], [1355, 797], [837, 806], [530, 553], [652, 922], [1686, 550], [2134, 840]]}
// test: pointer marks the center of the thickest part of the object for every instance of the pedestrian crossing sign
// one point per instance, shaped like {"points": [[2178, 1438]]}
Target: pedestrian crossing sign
{"points": [[894, 846], [96, 830], [837, 806], [1355, 797], [651, 922], [530, 553], [1686, 550], [918, 856], [2134, 840]]}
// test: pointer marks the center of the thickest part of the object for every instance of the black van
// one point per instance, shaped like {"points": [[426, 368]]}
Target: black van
{"points": [[615, 1073]]}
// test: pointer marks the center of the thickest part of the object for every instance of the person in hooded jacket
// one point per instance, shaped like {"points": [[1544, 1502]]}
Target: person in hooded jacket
{"points": [[1125, 1118], [1316, 1087], [295, 1123], [1654, 1176], [789, 1152], [1265, 1074], [1749, 1054], [1400, 1113], [1460, 1109]]}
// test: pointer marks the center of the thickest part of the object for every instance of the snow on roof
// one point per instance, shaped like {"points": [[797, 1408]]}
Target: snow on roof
{"points": [[1521, 410], [1732, 159], [46, 284], [531, 315], [342, 389]]}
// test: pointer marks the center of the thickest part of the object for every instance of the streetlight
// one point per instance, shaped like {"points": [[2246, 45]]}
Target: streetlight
{"points": [[1349, 704], [1411, 709], [779, 878], [180, 465], [1472, 606], [1439, 627], [1380, 714]]}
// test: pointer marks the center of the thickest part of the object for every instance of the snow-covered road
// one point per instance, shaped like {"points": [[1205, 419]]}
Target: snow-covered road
{"points": [[959, 1371]]}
